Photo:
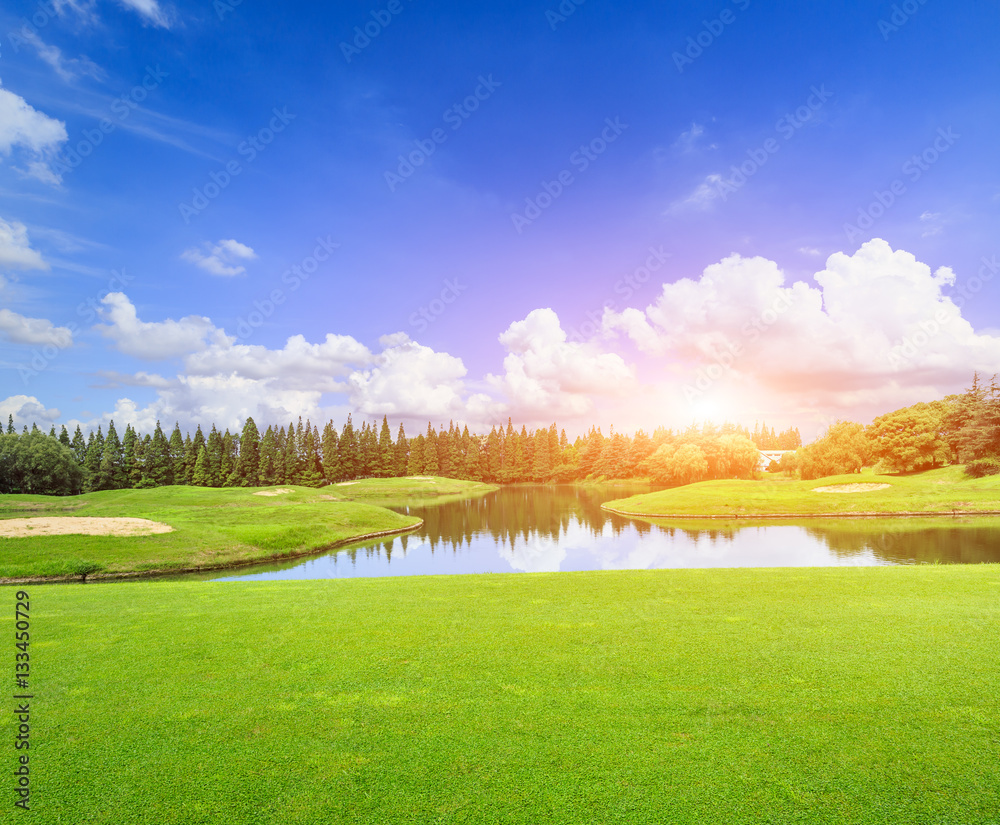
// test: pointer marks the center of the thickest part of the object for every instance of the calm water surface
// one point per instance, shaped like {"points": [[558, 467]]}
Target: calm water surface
{"points": [[548, 528]]}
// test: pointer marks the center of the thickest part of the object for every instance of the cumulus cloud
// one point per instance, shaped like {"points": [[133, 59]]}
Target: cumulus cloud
{"points": [[874, 324], [411, 381], [15, 249], [23, 330], [155, 340], [297, 363], [546, 375], [222, 258], [26, 409], [35, 136]]}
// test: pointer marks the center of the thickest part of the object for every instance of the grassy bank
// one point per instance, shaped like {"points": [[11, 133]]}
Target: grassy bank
{"points": [[421, 490], [946, 490], [865, 695], [212, 528]]}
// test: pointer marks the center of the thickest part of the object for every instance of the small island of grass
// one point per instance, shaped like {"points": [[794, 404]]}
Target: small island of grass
{"points": [[944, 491], [194, 528]]}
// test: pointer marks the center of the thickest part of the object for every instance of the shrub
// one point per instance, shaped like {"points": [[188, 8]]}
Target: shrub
{"points": [[982, 467]]}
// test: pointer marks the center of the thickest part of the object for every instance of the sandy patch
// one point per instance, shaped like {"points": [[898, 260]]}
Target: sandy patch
{"points": [[328, 498], [346, 483], [850, 488], [421, 478], [16, 528], [279, 492]]}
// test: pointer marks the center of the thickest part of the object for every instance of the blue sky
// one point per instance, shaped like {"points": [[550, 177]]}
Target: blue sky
{"points": [[525, 209]]}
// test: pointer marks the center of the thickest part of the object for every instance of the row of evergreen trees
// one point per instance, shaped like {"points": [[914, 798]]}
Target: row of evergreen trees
{"points": [[302, 454]]}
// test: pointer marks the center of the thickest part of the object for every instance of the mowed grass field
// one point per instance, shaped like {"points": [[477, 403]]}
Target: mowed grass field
{"points": [[850, 695], [212, 528], [945, 490]]}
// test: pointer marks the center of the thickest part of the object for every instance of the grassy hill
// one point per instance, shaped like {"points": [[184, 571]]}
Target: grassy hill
{"points": [[944, 491]]}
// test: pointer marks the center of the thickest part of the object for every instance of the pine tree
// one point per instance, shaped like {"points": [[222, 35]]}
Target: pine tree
{"points": [[541, 465], [331, 453], [268, 459], [78, 446], [401, 453], [92, 462], [176, 455], [227, 471], [110, 472], [279, 457], [312, 470], [213, 458], [64, 436], [430, 452], [129, 459], [159, 466], [10, 425], [415, 463], [386, 454], [291, 457], [493, 456], [200, 475], [368, 448], [247, 467], [350, 463]]}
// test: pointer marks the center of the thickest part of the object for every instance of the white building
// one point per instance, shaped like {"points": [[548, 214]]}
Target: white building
{"points": [[767, 456]]}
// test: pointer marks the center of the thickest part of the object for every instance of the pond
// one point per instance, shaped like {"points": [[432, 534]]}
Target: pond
{"points": [[535, 528]]}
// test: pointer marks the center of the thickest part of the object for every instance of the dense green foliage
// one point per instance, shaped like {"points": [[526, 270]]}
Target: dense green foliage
{"points": [[958, 429], [304, 456], [853, 695], [945, 490], [36, 463]]}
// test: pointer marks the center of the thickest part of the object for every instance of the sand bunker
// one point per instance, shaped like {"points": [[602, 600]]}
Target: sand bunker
{"points": [[421, 478], [346, 483], [850, 488], [17, 528], [279, 492]]}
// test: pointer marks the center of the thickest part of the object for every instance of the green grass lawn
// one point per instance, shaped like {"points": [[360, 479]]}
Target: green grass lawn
{"points": [[212, 528], [422, 490], [868, 695], [946, 490]]}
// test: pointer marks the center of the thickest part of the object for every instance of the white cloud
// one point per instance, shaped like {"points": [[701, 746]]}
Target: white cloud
{"points": [[698, 199], [221, 258], [411, 381], [155, 340], [23, 330], [545, 375], [149, 10], [37, 135], [26, 410], [67, 68], [298, 363], [686, 141], [15, 249], [933, 223], [876, 326]]}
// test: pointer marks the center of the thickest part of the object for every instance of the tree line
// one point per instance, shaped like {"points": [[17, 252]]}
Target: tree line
{"points": [[302, 454], [958, 429]]}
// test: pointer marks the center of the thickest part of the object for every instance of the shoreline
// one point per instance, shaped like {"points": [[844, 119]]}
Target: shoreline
{"points": [[138, 574], [849, 514]]}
